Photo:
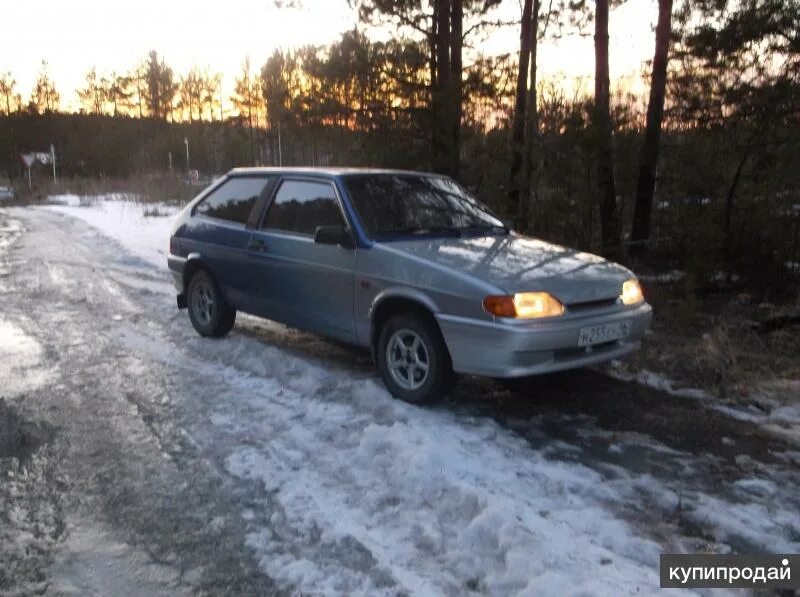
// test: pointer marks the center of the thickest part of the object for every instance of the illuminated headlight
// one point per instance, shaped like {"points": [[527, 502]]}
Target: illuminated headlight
{"points": [[631, 292], [524, 305]]}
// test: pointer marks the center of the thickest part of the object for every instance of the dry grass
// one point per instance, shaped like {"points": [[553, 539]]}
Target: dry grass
{"points": [[144, 188], [155, 212], [715, 343]]}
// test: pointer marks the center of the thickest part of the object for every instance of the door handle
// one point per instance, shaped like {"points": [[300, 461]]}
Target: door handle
{"points": [[257, 244]]}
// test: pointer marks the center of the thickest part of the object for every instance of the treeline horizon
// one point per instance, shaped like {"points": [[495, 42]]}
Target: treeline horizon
{"points": [[707, 164]]}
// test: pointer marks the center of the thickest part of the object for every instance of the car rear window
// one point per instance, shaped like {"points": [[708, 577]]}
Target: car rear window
{"points": [[234, 200], [300, 206]]}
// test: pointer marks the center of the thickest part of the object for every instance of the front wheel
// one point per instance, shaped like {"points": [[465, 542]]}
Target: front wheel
{"points": [[209, 312], [413, 359]]}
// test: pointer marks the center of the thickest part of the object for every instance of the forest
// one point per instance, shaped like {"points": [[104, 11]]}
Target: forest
{"points": [[701, 173]]}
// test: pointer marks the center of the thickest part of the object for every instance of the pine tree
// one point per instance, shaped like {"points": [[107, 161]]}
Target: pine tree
{"points": [[44, 98], [7, 86]]}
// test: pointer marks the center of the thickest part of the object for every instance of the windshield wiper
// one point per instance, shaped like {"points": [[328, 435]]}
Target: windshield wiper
{"points": [[417, 231], [486, 228]]}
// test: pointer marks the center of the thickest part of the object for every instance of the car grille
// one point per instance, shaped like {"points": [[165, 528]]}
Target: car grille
{"points": [[592, 305]]}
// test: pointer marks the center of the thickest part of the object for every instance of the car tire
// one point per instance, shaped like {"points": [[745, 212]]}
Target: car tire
{"points": [[209, 312], [413, 359]]}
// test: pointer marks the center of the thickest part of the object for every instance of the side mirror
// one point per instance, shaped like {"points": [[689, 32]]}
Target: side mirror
{"points": [[333, 235]]}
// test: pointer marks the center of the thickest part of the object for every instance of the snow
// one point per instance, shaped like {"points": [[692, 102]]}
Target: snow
{"points": [[439, 504], [147, 237], [656, 381], [428, 499], [19, 356]]}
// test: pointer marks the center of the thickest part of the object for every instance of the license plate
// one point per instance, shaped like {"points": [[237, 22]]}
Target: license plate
{"points": [[608, 332]]}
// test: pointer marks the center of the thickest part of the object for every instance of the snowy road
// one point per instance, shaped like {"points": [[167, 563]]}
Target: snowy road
{"points": [[274, 462]]}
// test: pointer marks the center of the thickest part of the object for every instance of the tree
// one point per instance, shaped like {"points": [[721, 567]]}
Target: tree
{"points": [[161, 87], [276, 87], [211, 94], [559, 14], [92, 95], [740, 72], [442, 100], [648, 159], [247, 101], [518, 125], [44, 98], [440, 26], [139, 89], [118, 91], [603, 134], [7, 85], [456, 95], [191, 89], [534, 26]]}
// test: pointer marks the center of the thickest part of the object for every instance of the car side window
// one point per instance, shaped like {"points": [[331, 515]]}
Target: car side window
{"points": [[234, 200], [300, 206]]}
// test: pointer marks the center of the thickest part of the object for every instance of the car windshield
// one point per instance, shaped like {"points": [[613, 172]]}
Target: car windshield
{"points": [[400, 204]]}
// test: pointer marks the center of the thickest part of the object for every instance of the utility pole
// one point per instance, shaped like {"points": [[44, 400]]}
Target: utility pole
{"points": [[186, 142], [53, 159], [280, 150]]}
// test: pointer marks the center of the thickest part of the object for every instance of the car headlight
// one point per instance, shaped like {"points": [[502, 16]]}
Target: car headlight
{"points": [[631, 292], [524, 305]]}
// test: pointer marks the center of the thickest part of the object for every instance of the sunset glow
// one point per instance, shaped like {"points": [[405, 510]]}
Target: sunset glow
{"points": [[76, 36]]}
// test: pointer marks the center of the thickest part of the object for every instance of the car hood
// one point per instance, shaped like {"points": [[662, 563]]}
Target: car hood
{"points": [[516, 263]]}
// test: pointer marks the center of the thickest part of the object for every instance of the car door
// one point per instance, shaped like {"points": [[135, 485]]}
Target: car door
{"points": [[220, 235], [296, 280]]}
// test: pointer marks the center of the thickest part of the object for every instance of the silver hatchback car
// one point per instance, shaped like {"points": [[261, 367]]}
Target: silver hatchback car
{"points": [[407, 264]]}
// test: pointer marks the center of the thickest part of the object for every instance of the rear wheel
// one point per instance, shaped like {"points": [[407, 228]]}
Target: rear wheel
{"points": [[209, 313], [413, 359]]}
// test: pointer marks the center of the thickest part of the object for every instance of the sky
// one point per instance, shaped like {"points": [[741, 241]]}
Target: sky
{"points": [[75, 35]]}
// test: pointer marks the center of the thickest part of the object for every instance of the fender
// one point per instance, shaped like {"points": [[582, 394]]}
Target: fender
{"points": [[195, 260], [403, 292], [397, 292]]}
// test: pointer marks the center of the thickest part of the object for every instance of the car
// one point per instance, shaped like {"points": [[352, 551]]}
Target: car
{"points": [[407, 264], [6, 193]]}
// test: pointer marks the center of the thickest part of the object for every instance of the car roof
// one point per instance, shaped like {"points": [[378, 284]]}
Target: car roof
{"points": [[316, 171]]}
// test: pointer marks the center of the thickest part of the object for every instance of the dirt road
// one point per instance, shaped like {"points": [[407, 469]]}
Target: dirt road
{"points": [[140, 458]]}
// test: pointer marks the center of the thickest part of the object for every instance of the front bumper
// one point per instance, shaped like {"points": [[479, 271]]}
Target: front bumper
{"points": [[518, 349]]}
